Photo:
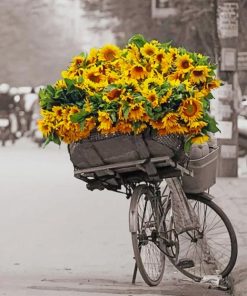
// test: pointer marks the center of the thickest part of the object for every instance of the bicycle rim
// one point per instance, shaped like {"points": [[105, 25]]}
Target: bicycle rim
{"points": [[150, 260], [214, 248]]}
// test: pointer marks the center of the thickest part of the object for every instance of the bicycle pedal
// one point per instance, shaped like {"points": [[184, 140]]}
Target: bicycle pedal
{"points": [[185, 263]]}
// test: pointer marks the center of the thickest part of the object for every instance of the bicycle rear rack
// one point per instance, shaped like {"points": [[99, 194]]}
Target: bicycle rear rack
{"points": [[138, 164]]}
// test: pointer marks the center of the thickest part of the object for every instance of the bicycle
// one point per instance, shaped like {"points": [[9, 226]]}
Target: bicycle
{"points": [[154, 235], [208, 246]]}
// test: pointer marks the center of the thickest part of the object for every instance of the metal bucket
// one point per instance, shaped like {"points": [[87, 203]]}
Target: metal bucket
{"points": [[204, 170]]}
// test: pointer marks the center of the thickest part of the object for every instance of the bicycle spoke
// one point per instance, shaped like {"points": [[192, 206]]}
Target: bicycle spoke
{"points": [[148, 255]]}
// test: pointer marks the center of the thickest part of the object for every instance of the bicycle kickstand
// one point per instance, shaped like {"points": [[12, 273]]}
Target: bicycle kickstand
{"points": [[134, 274]]}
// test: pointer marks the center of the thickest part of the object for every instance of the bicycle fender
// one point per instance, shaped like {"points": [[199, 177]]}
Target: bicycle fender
{"points": [[205, 195], [133, 213], [132, 219]]}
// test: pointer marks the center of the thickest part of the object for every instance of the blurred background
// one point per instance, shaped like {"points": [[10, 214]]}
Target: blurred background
{"points": [[49, 222], [38, 39]]}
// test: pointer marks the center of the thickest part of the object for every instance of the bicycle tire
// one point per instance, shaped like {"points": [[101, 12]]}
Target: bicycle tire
{"points": [[206, 200], [151, 269]]}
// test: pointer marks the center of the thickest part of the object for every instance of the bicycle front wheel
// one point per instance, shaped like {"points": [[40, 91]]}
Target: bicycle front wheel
{"points": [[144, 217], [213, 248]]}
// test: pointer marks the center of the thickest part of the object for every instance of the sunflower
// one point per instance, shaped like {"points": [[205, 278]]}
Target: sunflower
{"points": [[196, 127], [140, 128], [109, 52], [165, 66], [132, 85], [184, 63], [87, 106], [124, 127], [68, 74], [90, 123], [152, 97], [170, 120], [175, 78], [152, 82], [213, 84], [73, 110], [163, 132], [179, 129], [94, 78], [199, 74], [157, 124], [49, 116], [200, 94], [66, 115], [153, 85], [190, 110], [160, 56], [188, 85], [77, 61], [132, 53], [150, 67], [138, 72], [105, 122], [114, 94], [148, 50], [200, 139], [58, 112], [45, 127], [112, 77], [173, 53], [166, 97], [171, 124], [60, 84], [92, 56], [136, 112]]}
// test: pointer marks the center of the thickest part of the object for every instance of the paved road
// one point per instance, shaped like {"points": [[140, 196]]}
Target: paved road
{"points": [[58, 237]]}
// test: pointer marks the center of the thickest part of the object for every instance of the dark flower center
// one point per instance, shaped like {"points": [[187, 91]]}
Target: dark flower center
{"points": [[185, 64], [94, 78], [198, 73]]}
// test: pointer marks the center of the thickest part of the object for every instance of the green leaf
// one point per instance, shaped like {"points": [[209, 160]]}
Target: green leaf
{"points": [[110, 87], [58, 94], [126, 110], [209, 96], [165, 45], [82, 124], [136, 125], [56, 139], [187, 145], [212, 124], [83, 54], [113, 117], [78, 117], [206, 105], [149, 111], [165, 86], [47, 141], [80, 80], [46, 99], [50, 89], [69, 82], [52, 138], [138, 98], [138, 40], [157, 109]]}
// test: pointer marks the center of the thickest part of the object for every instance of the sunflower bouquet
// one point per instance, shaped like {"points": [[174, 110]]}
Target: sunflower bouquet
{"points": [[145, 85]]}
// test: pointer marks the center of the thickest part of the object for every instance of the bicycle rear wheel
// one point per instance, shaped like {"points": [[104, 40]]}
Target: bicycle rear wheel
{"points": [[213, 248], [144, 217]]}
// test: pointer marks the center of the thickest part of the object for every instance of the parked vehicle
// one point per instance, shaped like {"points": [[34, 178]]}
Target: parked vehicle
{"points": [[6, 115], [35, 134]]}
